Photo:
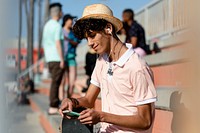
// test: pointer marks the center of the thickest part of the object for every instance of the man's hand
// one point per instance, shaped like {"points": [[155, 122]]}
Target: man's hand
{"points": [[134, 41], [89, 116], [65, 105], [62, 64]]}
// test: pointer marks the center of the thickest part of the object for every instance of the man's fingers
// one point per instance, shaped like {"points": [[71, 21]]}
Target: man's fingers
{"points": [[84, 111], [86, 114], [86, 120], [64, 105], [89, 122], [61, 113], [81, 117], [68, 117], [70, 106]]}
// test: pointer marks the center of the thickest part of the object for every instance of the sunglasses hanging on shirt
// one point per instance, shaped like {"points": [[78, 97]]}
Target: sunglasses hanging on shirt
{"points": [[110, 71]]}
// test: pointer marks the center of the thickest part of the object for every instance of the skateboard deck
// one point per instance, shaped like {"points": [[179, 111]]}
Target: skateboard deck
{"points": [[74, 125]]}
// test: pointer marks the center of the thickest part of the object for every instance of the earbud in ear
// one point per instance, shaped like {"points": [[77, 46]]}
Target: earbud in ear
{"points": [[109, 31]]}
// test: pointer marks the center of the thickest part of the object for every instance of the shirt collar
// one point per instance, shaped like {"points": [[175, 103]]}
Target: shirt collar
{"points": [[124, 58]]}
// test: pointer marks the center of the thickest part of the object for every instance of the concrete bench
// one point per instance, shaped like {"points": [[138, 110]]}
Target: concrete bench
{"points": [[166, 95], [170, 41], [166, 57]]}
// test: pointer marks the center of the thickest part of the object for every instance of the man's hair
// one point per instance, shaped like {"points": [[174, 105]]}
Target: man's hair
{"points": [[55, 9], [82, 28], [130, 12]]}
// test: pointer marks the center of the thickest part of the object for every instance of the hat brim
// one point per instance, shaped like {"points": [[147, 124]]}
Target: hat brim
{"points": [[115, 21], [73, 17]]}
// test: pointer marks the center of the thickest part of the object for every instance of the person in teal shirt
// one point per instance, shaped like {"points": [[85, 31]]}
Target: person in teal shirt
{"points": [[70, 44], [52, 43]]}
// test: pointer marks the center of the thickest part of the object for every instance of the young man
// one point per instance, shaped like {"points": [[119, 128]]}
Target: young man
{"points": [[52, 43], [122, 77], [135, 33]]}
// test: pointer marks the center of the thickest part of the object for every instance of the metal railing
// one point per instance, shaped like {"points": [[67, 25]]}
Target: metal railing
{"points": [[30, 69], [163, 17]]}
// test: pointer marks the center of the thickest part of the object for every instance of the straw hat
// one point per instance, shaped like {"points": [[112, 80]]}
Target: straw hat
{"points": [[100, 11]]}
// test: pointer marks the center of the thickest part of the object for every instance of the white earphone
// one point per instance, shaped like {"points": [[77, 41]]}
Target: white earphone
{"points": [[109, 31]]}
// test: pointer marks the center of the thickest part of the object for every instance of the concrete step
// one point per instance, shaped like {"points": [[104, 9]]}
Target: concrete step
{"points": [[30, 124], [21, 118], [166, 97], [172, 56], [42, 104], [171, 41]]}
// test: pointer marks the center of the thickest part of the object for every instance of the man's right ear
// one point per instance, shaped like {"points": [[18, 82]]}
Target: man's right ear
{"points": [[108, 30], [61, 14]]}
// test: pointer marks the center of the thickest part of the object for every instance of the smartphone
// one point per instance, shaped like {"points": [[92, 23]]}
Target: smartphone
{"points": [[71, 113]]}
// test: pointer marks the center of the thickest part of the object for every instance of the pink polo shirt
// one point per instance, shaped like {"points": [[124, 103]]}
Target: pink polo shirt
{"points": [[130, 85]]}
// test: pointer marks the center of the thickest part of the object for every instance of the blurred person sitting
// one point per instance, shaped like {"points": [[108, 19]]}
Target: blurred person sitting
{"points": [[27, 87], [90, 60], [70, 44], [135, 33]]}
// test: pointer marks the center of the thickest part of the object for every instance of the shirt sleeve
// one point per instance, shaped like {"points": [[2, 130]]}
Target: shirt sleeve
{"points": [[58, 33], [144, 89], [95, 78], [133, 32]]}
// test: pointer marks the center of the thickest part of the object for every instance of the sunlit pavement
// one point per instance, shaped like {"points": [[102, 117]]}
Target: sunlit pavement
{"points": [[21, 118]]}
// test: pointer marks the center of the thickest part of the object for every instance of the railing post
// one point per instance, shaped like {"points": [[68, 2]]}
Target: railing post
{"points": [[146, 24], [30, 70], [171, 16], [19, 41]]}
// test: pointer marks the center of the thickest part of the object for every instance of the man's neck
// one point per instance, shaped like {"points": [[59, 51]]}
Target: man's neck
{"points": [[130, 22], [118, 49], [56, 18]]}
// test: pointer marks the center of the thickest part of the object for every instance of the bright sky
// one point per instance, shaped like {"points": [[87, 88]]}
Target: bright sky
{"points": [[75, 7]]}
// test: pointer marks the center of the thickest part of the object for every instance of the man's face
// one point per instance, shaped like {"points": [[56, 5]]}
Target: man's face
{"points": [[125, 17], [98, 41]]}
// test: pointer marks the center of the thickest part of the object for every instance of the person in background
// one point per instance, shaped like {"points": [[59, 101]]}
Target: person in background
{"points": [[52, 43], [156, 48], [29, 85], [123, 78], [135, 33], [26, 88], [70, 44], [90, 60]]}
